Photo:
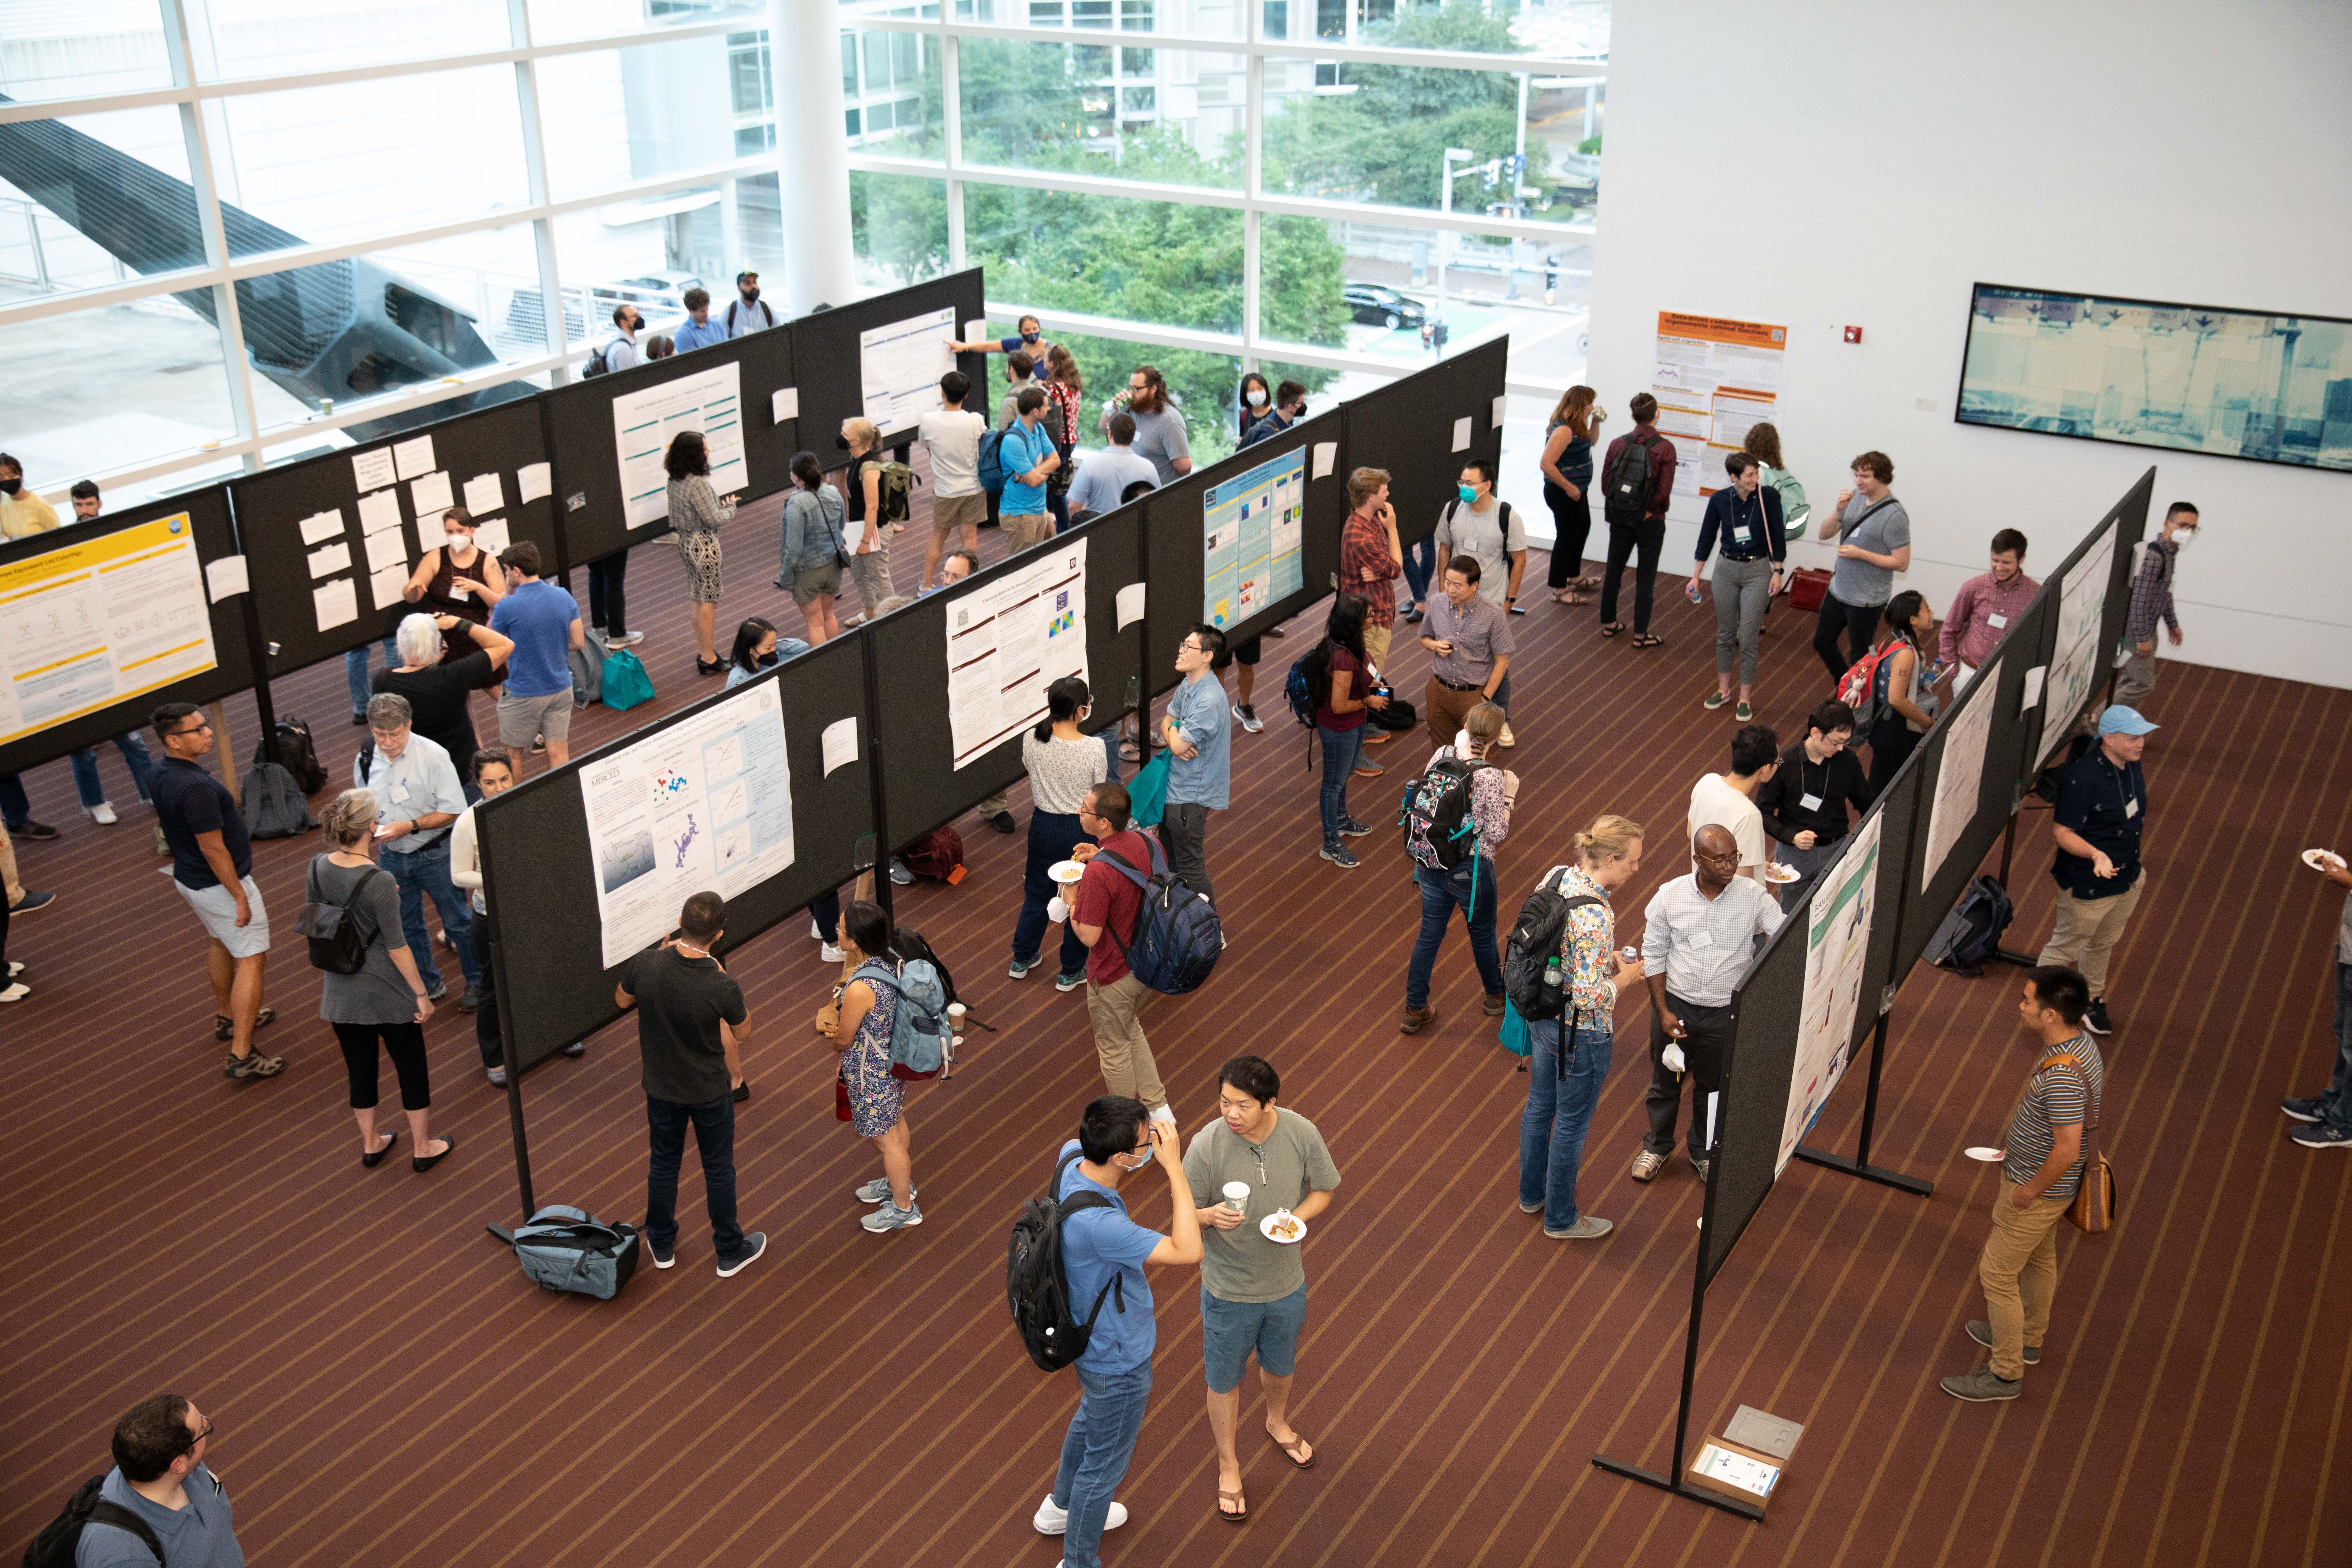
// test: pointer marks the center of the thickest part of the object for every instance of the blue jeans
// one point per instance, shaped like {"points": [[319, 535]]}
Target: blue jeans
{"points": [[87, 784], [1420, 564], [15, 806], [2336, 1105], [1095, 1455], [1441, 893], [1551, 1134], [1052, 837], [420, 873], [1340, 750], [714, 1138], [355, 673]]}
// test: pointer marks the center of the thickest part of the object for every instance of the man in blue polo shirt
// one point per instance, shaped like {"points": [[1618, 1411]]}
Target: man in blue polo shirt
{"points": [[697, 331], [1103, 1249], [211, 866], [1027, 453], [1199, 734], [544, 622], [2102, 811]]}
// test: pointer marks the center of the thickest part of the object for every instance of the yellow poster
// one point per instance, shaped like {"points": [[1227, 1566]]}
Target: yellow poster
{"points": [[1713, 378], [95, 620]]}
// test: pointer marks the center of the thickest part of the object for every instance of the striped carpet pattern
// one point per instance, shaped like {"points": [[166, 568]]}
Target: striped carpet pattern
{"points": [[387, 1389]]}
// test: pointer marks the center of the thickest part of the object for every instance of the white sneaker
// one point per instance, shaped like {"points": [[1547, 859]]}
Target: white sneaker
{"points": [[1165, 1113], [102, 814], [830, 953], [1052, 1520], [632, 641], [15, 992], [816, 931], [1505, 738]]}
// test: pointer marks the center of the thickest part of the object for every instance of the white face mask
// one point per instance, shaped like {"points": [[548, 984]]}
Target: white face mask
{"points": [[1257, 396], [2183, 538]]}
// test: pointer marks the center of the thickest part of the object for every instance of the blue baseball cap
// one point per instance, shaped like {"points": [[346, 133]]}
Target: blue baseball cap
{"points": [[2119, 720]]}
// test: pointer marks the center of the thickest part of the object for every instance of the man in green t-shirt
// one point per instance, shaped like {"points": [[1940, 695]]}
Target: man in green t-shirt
{"points": [[1253, 1284]]}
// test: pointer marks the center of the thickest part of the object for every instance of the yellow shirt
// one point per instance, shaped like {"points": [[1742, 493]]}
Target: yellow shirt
{"points": [[25, 514]]}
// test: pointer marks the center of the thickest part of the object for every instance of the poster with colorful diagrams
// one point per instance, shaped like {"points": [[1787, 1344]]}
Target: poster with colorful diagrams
{"points": [[1252, 528]]}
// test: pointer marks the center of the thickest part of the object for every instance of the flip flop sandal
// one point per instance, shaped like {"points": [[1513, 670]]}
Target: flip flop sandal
{"points": [[225, 1029], [1290, 1450], [1224, 1497], [1612, 628], [1649, 640]]}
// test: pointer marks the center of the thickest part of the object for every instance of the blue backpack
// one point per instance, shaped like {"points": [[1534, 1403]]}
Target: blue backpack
{"points": [[1177, 935], [992, 462], [918, 1030]]}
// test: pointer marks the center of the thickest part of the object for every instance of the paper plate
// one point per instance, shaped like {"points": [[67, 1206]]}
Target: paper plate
{"points": [[1776, 873], [1066, 872], [1266, 1228], [2320, 860], [1989, 1156]]}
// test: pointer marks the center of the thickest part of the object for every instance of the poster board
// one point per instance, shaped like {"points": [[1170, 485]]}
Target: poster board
{"points": [[1713, 377], [829, 343], [1413, 428], [899, 364], [103, 622], [2078, 659], [330, 540], [586, 423], [647, 419], [1009, 637], [553, 986], [1836, 918], [1253, 526]]}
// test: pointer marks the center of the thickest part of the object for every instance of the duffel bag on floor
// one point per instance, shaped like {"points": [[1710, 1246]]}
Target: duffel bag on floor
{"points": [[564, 1248]]}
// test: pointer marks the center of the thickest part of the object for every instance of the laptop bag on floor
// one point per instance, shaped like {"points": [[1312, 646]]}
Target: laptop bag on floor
{"points": [[564, 1248]]}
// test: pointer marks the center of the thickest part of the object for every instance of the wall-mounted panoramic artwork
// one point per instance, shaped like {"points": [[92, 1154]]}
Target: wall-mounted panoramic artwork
{"points": [[2194, 378]]}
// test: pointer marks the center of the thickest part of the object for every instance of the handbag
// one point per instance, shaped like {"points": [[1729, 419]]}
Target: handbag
{"points": [[624, 682], [1808, 586], [2093, 1211], [1514, 1033]]}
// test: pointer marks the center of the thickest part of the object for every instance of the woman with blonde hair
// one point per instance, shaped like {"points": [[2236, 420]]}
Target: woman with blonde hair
{"points": [[870, 558], [383, 999], [697, 512], [1567, 464], [1469, 886], [1569, 1055]]}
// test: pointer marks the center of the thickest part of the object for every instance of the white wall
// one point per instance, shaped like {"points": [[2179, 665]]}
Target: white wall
{"points": [[1837, 163]]}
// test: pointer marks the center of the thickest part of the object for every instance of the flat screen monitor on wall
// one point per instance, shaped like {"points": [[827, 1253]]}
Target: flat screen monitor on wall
{"points": [[2147, 373]]}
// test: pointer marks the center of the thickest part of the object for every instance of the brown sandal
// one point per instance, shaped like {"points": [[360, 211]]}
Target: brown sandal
{"points": [[1290, 1451], [1224, 1497]]}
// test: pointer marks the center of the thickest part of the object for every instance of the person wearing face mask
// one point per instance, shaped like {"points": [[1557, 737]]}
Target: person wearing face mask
{"points": [[758, 648], [620, 349], [1063, 763], [1985, 609], [1026, 338], [23, 513], [2100, 813], [2151, 601], [1251, 404], [747, 312], [1746, 574], [1481, 524], [455, 578], [1289, 408], [1805, 801]]}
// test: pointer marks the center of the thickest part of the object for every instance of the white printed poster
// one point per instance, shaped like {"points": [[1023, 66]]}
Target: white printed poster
{"points": [[1253, 530], [644, 422], [705, 805], [1961, 776], [1837, 942], [1713, 378], [1009, 639], [900, 366], [97, 620], [2082, 612]]}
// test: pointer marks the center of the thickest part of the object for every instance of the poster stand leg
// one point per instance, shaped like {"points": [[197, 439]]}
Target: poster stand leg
{"points": [[2008, 854], [514, 1080], [872, 853], [1859, 1164]]}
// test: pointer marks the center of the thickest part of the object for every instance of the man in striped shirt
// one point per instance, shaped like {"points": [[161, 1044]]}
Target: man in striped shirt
{"points": [[2151, 601], [2040, 1169], [1987, 606], [1698, 935]]}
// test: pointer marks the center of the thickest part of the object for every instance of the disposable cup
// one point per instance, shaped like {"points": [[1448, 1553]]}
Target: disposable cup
{"points": [[1237, 1196]]}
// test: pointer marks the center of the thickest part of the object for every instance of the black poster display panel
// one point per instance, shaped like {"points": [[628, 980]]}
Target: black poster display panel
{"points": [[272, 506], [1176, 536], [828, 348], [1755, 1103], [1903, 823], [585, 442], [1407, 428], [537, 857], [208, 518], [923, 787]]}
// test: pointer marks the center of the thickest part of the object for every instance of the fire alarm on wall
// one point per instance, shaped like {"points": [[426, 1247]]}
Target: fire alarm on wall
{"points": [[1853, 334]]}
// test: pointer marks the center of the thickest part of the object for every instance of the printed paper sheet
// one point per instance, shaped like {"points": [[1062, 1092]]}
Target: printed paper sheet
{"points": [[1713, 379], [1011, 638], [97, 620], [710, 402], [2082, 612], [1253, 533], [1837, 942], [900, 366], [1960, 775]]}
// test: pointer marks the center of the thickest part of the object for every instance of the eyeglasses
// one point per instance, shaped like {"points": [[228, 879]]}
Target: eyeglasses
{"points": [[1732, 859], [200, 726], [197, 1441]]}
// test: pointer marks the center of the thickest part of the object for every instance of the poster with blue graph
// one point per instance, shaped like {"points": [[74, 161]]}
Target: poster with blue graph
{"points": [[704, 803], [1252, 530]]}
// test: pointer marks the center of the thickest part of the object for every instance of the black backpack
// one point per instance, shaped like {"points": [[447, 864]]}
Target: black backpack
{"points": [[1625, 488], [1038, 1286], [597, 363], [297, 755], [1439, 832], [1532, 977], [56, 1545], [274, 806], [1177, 933], [337, 943], [1967, 940]]}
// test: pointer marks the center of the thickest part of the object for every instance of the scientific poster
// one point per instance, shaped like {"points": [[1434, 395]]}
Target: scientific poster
{"points": [[705, 805], [2082, 612], [1252, 529], [1961, 776], [644, 422], [1837, 942], [1713, 379], [97, 620], [900, 366], [1008, 640]]}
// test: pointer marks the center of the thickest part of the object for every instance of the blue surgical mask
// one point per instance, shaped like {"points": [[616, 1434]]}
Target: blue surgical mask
{"points": [[1466, 492]]}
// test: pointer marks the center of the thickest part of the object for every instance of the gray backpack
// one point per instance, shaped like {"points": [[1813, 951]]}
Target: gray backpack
{"points": [[275, 806], [588, 667], [564, 1248]]}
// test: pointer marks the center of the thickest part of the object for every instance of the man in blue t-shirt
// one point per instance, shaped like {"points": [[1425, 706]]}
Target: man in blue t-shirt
{"points": [[1103, 1249], [1027, 453], [544, 622], [161, 1480], [1199, 735]]}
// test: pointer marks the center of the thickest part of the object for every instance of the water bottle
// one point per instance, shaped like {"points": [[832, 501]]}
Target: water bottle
{"points": [[1690, 591], [1551, 973]]}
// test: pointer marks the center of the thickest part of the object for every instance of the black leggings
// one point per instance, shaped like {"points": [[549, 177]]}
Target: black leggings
{"points": [[404, 1043], [1571, 521], [1648, 538], [486, 1017], [608, 594], [1892, 741], [1858, 622]]}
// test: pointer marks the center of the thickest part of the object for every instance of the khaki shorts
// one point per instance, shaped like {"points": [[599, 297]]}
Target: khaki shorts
{"points": [[216, 907], [522, 719], [958, 512], [811, 581], [1028, 529]]}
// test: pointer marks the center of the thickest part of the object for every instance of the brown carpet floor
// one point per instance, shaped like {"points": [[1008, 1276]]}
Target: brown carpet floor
{"points": [[388, 1389]]}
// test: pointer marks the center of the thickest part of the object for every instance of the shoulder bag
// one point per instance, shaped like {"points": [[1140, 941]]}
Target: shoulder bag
{"points": [[2093, 1211]]}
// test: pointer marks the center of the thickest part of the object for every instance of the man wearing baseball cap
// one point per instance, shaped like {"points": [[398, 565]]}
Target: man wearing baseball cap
{"points": [[749, 313], [2102, 811]]}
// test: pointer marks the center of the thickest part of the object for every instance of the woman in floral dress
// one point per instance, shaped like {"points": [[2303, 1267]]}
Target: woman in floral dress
{"points": [[876, 1100]]}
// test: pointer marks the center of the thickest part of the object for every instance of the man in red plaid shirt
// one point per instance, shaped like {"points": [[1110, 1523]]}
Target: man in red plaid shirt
{"points": [[1369, 560]]}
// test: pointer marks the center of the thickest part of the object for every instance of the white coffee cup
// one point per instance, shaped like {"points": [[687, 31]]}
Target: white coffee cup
{"points": [[1055, 909], [1237, 1196], [955, 1015]]}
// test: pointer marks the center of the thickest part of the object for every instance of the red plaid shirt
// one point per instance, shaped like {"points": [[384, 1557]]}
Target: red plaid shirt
{"points": [[1366, 567]]}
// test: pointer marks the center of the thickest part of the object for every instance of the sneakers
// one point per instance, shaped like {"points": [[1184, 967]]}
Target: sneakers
{"points": [[31, 830], [1053, 1520], [1364, 770], [576, 1049], [901, 873], [1647, 1164], [253, 1065], [1068, 982], [816, 931], [1019, 967], [1699, 1165], [498, 1077], [1981, 1386], [1587, 1228], [663, 1256], [878, 1190], [358, 720], [471, 1002], [1338, 854], [2322, 1136], [629, 639], [831, 954], [1491, 1004], [1416, 1019], [440, 989], [1744, 712], [1714, 699], [29, 902], [890, 1216], [1527, 1207], [1981, 1332], [2096, 1019], [1165, 1112], [2301, 1109], [102, 814], [758, 1243], [1247, 714], [16, 992], [1350, 828], [539, 745], [1506, 740], [1002, 822]]}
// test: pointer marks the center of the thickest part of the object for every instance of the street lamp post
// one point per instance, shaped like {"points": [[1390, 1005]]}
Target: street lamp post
{"points": [[1447, 175]]}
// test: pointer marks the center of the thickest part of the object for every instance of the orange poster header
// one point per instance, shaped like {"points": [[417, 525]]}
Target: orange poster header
{"points": [[1720, 330]]}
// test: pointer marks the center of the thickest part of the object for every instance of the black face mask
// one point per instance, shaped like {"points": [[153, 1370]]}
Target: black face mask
{"points": [[841, 442], [9, 486]]}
